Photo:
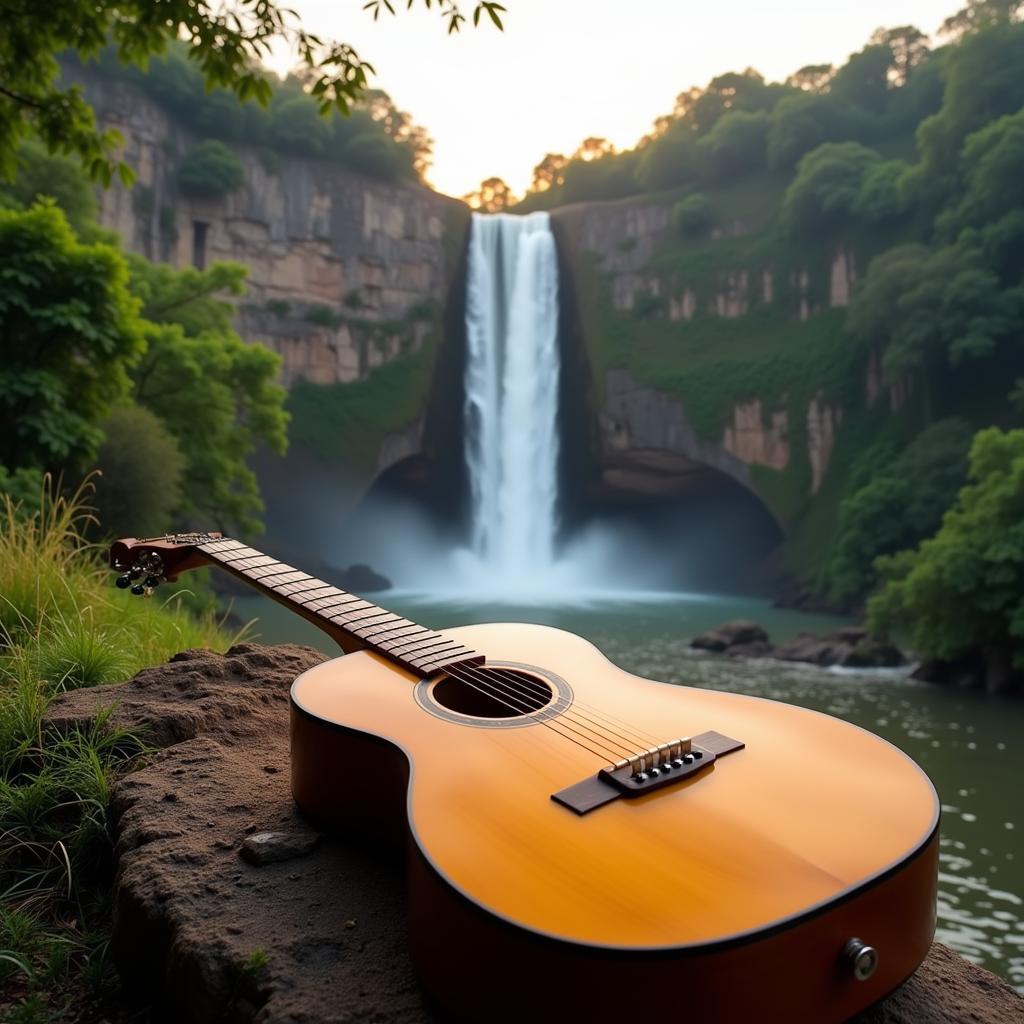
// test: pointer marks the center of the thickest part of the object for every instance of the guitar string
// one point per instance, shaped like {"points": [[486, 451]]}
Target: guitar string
{"points": [[562, 704], [542, 690], [549, 723], [599, 734]]}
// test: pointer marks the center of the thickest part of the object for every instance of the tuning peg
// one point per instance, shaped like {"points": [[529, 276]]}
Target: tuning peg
{"points": [[123, 582]]}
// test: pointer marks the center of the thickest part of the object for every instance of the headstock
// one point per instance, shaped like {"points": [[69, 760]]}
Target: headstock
{"points": [[145, 564]]}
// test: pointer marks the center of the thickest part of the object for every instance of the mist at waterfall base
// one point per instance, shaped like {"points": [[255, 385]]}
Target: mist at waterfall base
{"points": [[516, 550]]}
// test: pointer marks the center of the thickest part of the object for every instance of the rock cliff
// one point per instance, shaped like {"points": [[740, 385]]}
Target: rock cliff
{"points": [[345, 272]]}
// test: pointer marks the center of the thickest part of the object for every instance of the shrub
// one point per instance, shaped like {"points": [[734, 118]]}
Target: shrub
{"points": [[211, 171], [141, 474], [694, 215]]}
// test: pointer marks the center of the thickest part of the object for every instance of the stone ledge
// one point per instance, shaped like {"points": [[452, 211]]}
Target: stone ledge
{"points": [[204, 934]]}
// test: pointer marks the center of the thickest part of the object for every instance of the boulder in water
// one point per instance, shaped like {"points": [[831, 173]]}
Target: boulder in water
{"points": [[737, 633]]}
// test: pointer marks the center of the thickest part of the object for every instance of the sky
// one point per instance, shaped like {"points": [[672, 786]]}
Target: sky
{"points": [[496, 102]]}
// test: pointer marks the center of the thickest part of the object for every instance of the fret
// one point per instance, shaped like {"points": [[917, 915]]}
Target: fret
{"points": [[318, 593], [255, 562], [419, 650], [289, 577], [379, 632], [217, 547], [444, 660], [323, 603], [341, 616], [364, 613], [435, 652], [238, 555], [444, 657], [363, 625], [265, 572], [408, 641], [372, 620], [299, 586]]}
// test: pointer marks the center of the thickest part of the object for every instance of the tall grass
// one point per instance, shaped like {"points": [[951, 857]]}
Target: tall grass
{"points": [[63, 625]]}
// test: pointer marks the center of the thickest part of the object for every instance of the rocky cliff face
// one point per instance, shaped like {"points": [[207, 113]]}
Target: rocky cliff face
{"points": [[346, 273], [767, 424], [622, 237]]}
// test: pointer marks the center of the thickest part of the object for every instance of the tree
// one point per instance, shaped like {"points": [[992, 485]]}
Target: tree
{"points": [[908, 46], [42, 174], [493, 196], [735, 146], [824, 194], [864, 79], [979, 14], [549, 173], [227, 41], [69, 335], [993, 158], [141, 468], [898, 506], [812, 77], [215, 394], [593, 148], [962, 590], [211, 170], [694, 215], [804, 121]]}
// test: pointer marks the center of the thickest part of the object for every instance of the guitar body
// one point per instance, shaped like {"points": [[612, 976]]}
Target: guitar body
{"points": [[729, 894]]}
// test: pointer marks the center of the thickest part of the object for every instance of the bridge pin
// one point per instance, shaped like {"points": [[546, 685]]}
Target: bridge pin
{"points": [[687, 758], [677, 763], [655, 772], [698, 754], [640, 777], [666, 767]]}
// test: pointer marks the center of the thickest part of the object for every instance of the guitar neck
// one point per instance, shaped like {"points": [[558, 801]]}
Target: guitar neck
{"points": [[354, 624]]}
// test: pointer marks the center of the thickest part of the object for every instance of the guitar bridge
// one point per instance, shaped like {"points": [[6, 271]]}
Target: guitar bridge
{"points": [[647, 771]]}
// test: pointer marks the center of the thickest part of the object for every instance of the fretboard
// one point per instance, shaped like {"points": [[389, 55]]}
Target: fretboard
{"points": [[353, 623]]}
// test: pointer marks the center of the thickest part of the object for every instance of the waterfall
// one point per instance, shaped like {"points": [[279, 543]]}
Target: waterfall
{"points": [[511, 386]]}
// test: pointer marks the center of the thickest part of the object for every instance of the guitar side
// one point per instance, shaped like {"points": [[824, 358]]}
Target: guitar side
{"points": [[732, 893]]}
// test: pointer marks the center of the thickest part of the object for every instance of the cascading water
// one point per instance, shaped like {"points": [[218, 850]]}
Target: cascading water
{"points": [[511, 423]]}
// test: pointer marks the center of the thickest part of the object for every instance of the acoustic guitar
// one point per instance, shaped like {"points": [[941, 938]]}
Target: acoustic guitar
{"points": [[585, 844]]}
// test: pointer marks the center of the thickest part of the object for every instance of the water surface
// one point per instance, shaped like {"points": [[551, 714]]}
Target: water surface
{"points": [[969, 743]]}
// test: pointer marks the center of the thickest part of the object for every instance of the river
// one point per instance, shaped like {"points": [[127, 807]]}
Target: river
{"points": [[969, 743]]}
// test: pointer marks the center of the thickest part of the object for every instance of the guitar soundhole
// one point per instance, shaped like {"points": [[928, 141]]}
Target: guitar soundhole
{"points": [[496, 693]]}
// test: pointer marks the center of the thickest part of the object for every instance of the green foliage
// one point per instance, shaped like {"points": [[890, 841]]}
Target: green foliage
{"points": [[961, 590], [215, 394], [22, 486], [694, 215], [225, 46], [142, 469], [211, 170], [825, 193], [48, 175], [735, 147], [69, 335], [993, 161], [900, 504], [63, 625], [928, 309]]}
